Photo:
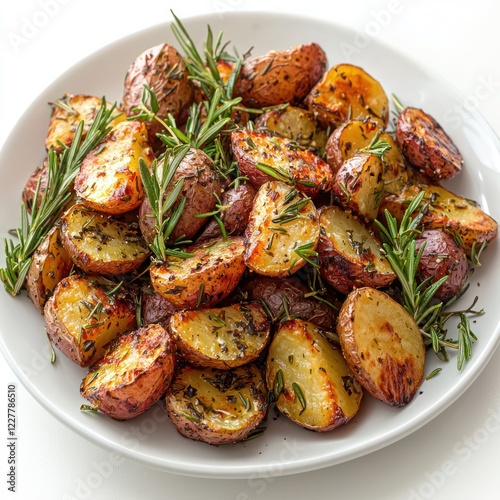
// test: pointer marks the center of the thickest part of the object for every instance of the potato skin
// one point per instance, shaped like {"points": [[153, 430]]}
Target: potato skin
{"points": [[80, 335], [201, 182], [155, 308], [443, 257], [238, 203], [49, 265], [280, 76], [383, 346], [161, 68], [133, 375], [426, 145], [208, 405], [271, 291]]}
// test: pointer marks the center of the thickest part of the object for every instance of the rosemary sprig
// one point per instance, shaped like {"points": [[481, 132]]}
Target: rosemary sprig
{"points": [[47, 205], [377, 146]]}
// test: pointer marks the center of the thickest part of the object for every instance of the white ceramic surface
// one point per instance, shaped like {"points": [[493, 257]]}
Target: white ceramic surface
{"points": [[284, 448]]}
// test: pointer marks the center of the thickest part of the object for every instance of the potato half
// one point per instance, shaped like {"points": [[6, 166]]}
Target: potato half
{"points": [[133, 375], [383, 345], [311, 381], [217, 406]]}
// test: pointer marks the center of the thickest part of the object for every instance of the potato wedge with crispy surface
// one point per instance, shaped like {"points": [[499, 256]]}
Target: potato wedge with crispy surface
{"points": [[383, 346]]}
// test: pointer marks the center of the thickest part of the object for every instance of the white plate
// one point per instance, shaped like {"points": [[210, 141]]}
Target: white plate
{"points": [[285, 448]]}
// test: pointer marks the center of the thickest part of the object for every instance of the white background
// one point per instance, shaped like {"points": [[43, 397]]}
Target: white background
{"points": [[453, 457]]}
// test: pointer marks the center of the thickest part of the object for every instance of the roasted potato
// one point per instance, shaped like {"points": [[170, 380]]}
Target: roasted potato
{"points": [[311, 382], [348, 92], [98, 243], [349, 254], [280, 76], [296, 124], [359, 185], [81, 317], [49, 265], [204, 279], [282, 231], [442, 256], [426, 146], [447, 211], [217, 406], [383, 346], [201, 184], [221, 338], [237, 204], [135, 372], [68, 112], [109, 179], [309, 171], [300, 302], [154, 307], [163, 69]]}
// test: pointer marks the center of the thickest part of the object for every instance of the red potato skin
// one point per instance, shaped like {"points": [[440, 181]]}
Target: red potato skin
{"points": [[426, 145], [443, 257], [155, 308]]}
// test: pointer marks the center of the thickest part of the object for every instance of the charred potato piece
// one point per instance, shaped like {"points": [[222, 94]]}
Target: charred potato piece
{"points": [[447, 211], [163, 69], [348, 92], [217, 406], [201, 183], [81, 317], [99, 244], [154, 307], [237, 204], [310, 172], [49, 265], [383, 346], [273, 292], [221, 338], [442, 256], [133, 375], [109, 179], [205, 278], [349, 254], [312, 384], [359, 185], [69, 112], [280, 76], [282, 231], [426, 146], [295, 124]]}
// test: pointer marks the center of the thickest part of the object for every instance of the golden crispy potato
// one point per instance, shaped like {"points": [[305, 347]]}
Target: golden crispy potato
{"points": [[221, 338], [69, 112], [163, 69], [426, 146], [310, 172], [82, 318], [296, 124], [134, 373], [300, 301], [359, 185], [237, 203], [349, 254], [49, 265], [109, 179], [442, 256], [204, 279], [312, 384], [217, 406], [101, 244], [201, 183], [282, 229], [383, 346], [280, 76], [348, 92], [447, 211]]}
